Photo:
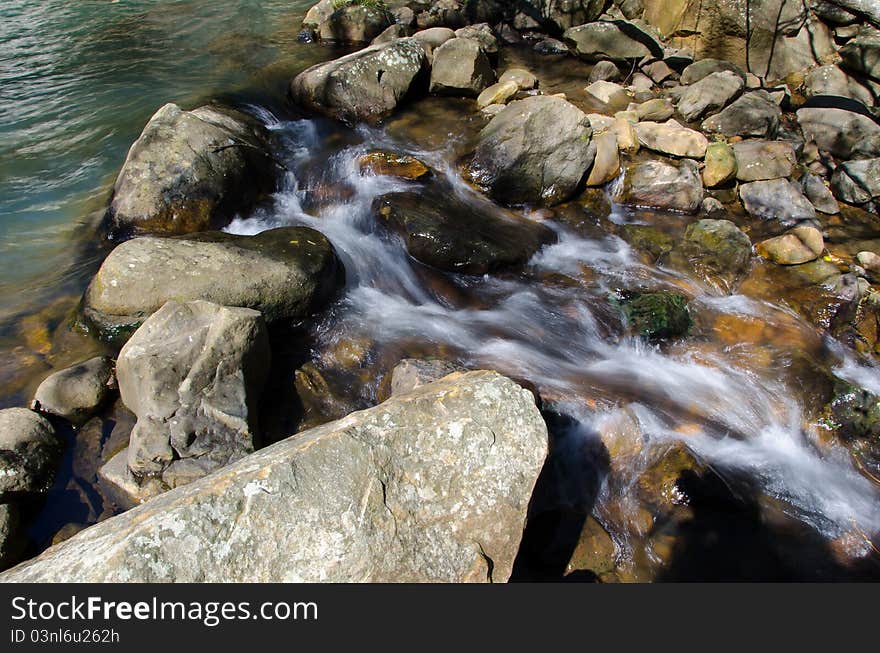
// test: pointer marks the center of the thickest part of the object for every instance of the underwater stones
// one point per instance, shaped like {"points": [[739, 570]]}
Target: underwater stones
{"points": [[433, 485], [191, 171], [717, 250], [75, 393], [660, 484], [460, 68], [799, 245], [752, 114], [777, 199], [617, 40], [383, 162], [657, 315], [720, 165], [710, 94], [449, 234], [535, 150], [595, 550], [366, 85], [672, 138], [662, 186], [193, 374], [283, 273], [761, 160], [30, 453]]}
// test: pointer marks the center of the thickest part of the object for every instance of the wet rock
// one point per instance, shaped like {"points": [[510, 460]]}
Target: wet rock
{"points": [[777, 199], [363, 86], [533, 151], [861, 55], [617, 40], [75, 393], [799, 245], [854, 413], [657, 315], [604, 71], [30, 454], [717, 250], [498, 93], [720, 165], [819, 194], [658, 185], [672, 138], [857, 182], [193, 375], [753, 114], [320, 403], [649, 239], [191, 171], [761, 160], [606, 165], [847, 134], [608, 93], [447, 233], [13, 539], [705, 67], [412, 373], [710, 94], [284, 273], [661, 483], [524, 80], [461, 68], [656, 110], [430, 486], [383, 162]]}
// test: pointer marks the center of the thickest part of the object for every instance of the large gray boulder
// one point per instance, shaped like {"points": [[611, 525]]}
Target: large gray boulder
{"points": [[618, 40], [76, 392], [844, 133], [193, 374], [30, 453], [191, 171], [461, 68], [753, 114], [661, 186], [710, 94], [283, 273], [428, 486], [777, 199], [534, 150], [363, 86]]}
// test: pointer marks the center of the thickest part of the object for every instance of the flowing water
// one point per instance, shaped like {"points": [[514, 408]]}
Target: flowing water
{"points": [[739, 390]]}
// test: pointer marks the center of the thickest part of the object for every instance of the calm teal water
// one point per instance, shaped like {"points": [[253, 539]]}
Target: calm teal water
{"points": [[78, 80]]}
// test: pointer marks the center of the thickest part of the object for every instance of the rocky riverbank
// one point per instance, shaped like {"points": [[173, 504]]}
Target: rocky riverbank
{"points": [[692, 191]]}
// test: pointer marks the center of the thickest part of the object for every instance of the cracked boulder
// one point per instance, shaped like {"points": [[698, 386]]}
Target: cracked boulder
{"points": [[429, 486], [193, 375], [191, 171]]}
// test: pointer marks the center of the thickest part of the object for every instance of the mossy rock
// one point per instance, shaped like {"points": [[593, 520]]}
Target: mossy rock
{"points": [[657, 315]]}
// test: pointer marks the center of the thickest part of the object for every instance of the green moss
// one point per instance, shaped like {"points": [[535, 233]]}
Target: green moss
{"points": [[657, 315]]}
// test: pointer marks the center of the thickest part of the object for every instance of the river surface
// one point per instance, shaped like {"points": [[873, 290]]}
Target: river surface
{"points": [[79, 80]]}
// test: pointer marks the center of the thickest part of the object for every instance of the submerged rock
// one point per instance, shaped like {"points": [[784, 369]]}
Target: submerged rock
{"points": [[363, 86], [535, 150], [658, 185], [777, 199], [716, 250], [429, 486], [449, 234], [191, 171], [461, 68], [30, 454], [657, 315], [283, 273], [382, 162], [193, 374], [75, 393]]}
